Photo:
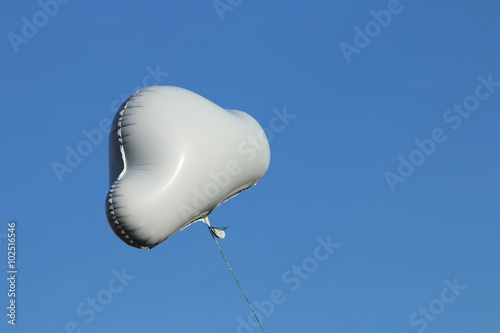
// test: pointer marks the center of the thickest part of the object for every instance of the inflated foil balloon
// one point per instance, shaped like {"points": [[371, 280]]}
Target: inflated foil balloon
{"points": [[174, 156]]}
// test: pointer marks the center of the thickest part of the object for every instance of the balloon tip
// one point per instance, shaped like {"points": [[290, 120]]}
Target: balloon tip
{"points": [[219, 233]]}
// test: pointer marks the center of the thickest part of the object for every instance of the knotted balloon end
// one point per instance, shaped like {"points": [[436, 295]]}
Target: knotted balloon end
{"points": [[215, 231], [218, 232]]}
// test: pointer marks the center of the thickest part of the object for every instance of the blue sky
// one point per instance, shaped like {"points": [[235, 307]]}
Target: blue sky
{"points": [[379, 212]]}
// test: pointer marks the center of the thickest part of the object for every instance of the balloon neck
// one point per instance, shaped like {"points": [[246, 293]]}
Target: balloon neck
{"points": [[206, 221]]}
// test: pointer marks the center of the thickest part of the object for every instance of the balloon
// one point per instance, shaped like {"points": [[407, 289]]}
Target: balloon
{"points": [[175, 156]]}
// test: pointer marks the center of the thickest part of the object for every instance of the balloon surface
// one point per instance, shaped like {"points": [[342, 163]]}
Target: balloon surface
{"points": [[174, 156]]}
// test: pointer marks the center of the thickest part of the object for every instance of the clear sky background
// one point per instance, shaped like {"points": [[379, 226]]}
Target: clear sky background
{"points": [[334, 238]]}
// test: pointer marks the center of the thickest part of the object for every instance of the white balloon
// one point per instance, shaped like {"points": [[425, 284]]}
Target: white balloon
{"points": [[175, 156]]}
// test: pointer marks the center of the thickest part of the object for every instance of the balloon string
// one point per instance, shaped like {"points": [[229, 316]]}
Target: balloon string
{"points": [[237, 281]]}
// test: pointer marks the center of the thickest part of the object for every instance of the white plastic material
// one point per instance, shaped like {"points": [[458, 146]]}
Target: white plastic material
{"points": [[174, 156]]}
